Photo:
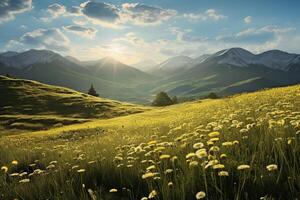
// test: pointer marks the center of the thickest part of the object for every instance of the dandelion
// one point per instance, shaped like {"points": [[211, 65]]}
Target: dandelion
{"points": [[170, 184], [14, 174], [272, 167], [218, 166], [148, 175], [223, 155], [190, 155], [4, 169], [168, 171], [164, 157], [92, 194], [214, 134], [174, 158], [113, 190], [26, 180], [200, 195], [223, 173], [144, 198], [193, 164], [14, 162], [198, 145], [152, 167], [81, 170], [152, 194], [50, 167], [243, 167], [226, 144], [214, 149], [201, 153]]}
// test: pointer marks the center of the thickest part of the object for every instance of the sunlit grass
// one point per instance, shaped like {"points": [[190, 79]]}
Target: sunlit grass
{"points": [[245, 147]]}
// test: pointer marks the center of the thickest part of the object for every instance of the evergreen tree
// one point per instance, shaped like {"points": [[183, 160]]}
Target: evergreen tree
{"points": [[175, 100], [162, 99], [92, 91]]}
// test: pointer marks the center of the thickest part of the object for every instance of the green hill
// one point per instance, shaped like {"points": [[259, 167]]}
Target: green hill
{"points": [[29, 104]]}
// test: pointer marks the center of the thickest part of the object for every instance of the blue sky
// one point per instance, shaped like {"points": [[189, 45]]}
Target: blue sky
{"points": [[134, 31]]}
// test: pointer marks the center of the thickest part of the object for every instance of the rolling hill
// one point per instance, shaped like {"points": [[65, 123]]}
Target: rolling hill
{"points": [[29, 104]]}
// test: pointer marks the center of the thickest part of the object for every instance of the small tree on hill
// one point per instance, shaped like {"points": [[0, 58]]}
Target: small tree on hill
{"points": [[162, 99], [212, 96], [92, 91], [175, 100]]}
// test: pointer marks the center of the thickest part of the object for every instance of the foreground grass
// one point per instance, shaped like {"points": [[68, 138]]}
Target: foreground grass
{"points": [[245, 147]]}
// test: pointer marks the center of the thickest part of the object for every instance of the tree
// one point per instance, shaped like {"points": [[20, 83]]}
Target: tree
{"points": [[175, 100], [162, 99], [212, 96], [92, 91]]}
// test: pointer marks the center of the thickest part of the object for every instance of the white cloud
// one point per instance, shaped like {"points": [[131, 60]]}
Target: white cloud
{"points": [[210, 14], [248, 19], [52, 39], [10, 8], [81, 31]]}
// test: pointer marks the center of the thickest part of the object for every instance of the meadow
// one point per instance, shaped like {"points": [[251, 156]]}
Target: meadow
{"points": [[241, 147]]}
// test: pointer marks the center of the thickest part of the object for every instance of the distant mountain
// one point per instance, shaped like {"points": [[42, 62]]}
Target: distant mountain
{"points": [[173, 65], [232, 71], [111, 79], [145, 65]]}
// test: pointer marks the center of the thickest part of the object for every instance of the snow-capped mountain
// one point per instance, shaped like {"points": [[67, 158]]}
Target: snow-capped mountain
{"points": [[27, 58], [274, 59]]}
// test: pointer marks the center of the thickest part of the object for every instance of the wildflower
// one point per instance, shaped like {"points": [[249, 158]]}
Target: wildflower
{"points": [[190, 155], [214, 148], [164, 157], [92, 194], [113, 190], [214, 134], [50, 167], [272, 167], [200, 195], [14, 174], [226, 144], [150, 168], [201, 153], [81, 170], [198, 145], [223, 173], [193, 164], [144, 198], [4, 169], [168, 171], [26, 180], [53, 162], [223, 155], [148, 175], [174, 158], [218, 166], [170, 184], [75, 166], [14, 162], [243, 167], [152, 194]]}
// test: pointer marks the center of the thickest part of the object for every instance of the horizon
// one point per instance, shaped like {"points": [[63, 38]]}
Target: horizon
{"points": [[132, 31]]}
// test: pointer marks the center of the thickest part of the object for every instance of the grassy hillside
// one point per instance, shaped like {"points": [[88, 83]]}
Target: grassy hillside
{"points": [[244, 147], [32, 105]]}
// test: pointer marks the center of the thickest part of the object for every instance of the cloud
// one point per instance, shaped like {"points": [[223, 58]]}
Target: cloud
{"points": [[56, 10], [52, 39], [10, 8], [81, 31], [255, 35], [210, 14], [248, 19], [101, 13], [140, 14]]}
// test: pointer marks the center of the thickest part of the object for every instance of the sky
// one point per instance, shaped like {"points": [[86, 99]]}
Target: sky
{"points": [[149, 30]]}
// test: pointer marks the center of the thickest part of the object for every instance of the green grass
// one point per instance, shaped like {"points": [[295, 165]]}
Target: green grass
{"points": [[86, 161], [30, 105]]}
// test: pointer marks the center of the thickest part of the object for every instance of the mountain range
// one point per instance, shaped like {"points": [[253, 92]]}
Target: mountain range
{"points": [[225, 72]]}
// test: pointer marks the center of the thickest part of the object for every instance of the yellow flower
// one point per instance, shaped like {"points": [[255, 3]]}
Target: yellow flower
{"points": [[272, 167], [113, 190], [170, 184], [150, 167], [214, 134], [190, 155], [198, 145], [243, 167], [200, 195], [148, 175], [223, 173], [81, 170], [218, 166], [201, 153], [14, 162], [152, 194], [193, 164], [164, 156], [26, 180], [4, 169]]}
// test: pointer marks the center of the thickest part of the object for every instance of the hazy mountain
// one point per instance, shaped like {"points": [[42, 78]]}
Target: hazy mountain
{"points": [[145, 65], [173, 65]]}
